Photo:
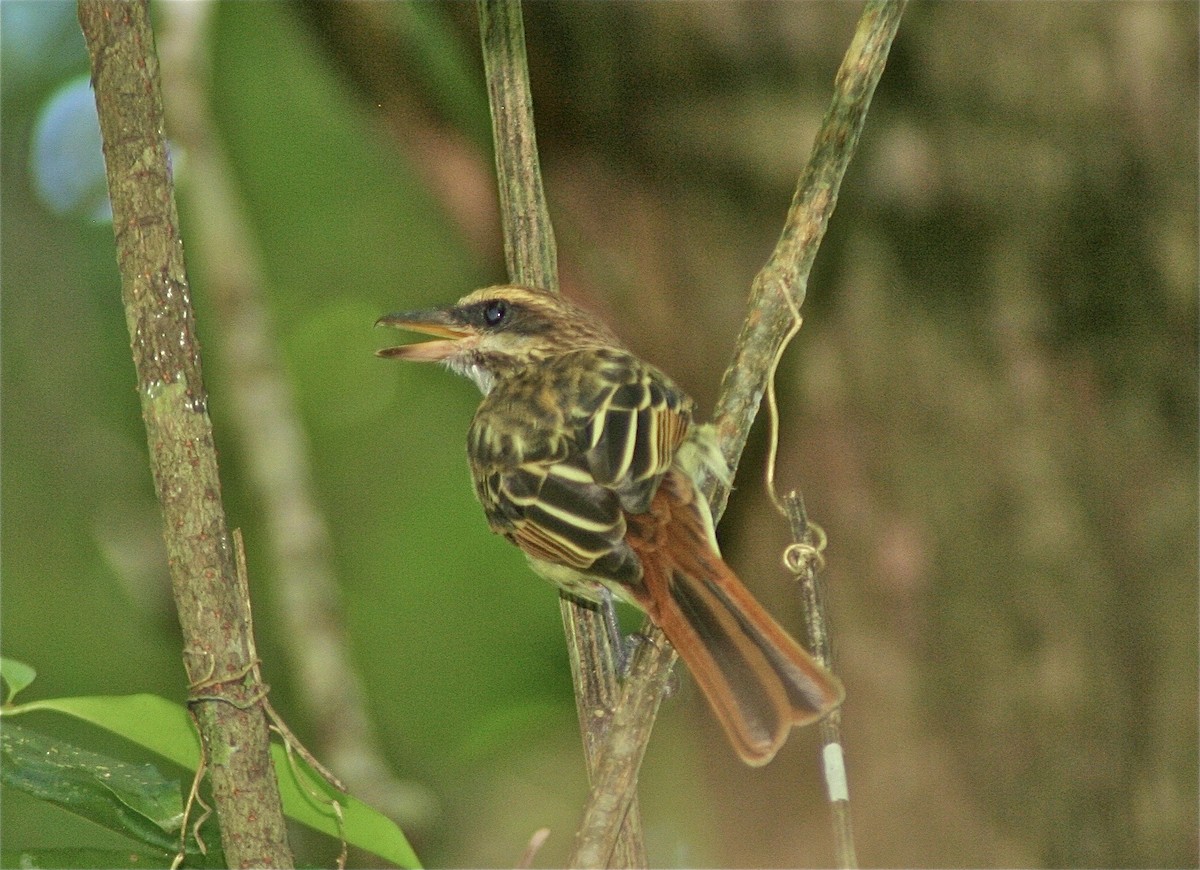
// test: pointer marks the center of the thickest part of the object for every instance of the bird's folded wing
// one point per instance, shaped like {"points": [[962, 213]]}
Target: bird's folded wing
{"points": [[563, 500], [555, 512], [631, 439]]}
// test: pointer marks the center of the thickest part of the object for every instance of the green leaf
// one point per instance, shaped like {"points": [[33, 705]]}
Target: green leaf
{"points": [[131, 799], [16, 675], [166, 729], [149, 721]]}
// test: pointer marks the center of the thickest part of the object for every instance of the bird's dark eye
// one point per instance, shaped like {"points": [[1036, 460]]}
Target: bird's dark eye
{"points": [[494, 312]]}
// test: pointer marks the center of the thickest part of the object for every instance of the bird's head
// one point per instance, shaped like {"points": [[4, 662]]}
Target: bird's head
{"points": [[497, 331]]}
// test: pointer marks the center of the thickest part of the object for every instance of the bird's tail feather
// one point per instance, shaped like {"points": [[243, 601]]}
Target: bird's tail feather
{"points": [[758, 680]]}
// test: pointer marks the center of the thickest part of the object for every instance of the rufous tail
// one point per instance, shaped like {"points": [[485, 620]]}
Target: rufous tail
{"points": [[759, 681]]}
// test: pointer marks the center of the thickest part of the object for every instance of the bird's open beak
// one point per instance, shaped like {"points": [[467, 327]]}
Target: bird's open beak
{"points": [[436, 322]]}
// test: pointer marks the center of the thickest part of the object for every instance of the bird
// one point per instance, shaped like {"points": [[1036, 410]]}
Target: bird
{"points": [[586, 457]]}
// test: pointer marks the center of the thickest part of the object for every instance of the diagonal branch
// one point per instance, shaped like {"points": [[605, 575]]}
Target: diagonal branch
{"points": [[216, 627], [785, 275], [779, 290]]}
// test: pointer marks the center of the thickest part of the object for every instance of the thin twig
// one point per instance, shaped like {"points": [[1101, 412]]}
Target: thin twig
{"points": [[780, 287], [193, 798], [531, 258], [278, 725], [773, 413], [166, 356], [784, 277], [805, 558]]}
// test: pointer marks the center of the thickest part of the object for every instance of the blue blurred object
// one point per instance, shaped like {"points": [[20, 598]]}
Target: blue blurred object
{"points": [[40, 42], [67, 160]]}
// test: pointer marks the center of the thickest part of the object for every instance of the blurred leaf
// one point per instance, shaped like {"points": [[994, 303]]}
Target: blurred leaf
{"points": [[39, 42], [53, 859], [165, 728], [132, 799], [17, 675]]}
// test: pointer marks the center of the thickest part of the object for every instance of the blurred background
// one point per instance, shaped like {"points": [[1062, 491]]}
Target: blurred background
{"points": [[991, 408]]}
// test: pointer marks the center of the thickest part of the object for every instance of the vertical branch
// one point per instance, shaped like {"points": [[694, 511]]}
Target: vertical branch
{"points": [[804, 560], [166, 355], [529, 249], [778, 292], [531, 257]]}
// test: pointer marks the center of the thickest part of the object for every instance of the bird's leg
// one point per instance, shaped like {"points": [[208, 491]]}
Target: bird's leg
{"points": [[622, 646], [626, 650]]}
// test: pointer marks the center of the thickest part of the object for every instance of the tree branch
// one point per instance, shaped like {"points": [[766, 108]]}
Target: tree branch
{"points": [[782, 284], [529, 249], [778, 291], [166, 355], [531, 257]]}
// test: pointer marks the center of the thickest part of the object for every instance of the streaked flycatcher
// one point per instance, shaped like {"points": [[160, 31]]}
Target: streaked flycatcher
{"points": [[584, 456]]}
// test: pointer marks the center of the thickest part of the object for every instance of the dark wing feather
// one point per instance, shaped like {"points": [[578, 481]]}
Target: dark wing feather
{"points": [[563, 450], [634, 433]]}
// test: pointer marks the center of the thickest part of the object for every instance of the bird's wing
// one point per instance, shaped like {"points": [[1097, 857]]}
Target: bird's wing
{"points": [[630, 439], [561, 453]]}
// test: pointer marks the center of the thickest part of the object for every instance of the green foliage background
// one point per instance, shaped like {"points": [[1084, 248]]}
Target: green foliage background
{"points": [[991, 407]]}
